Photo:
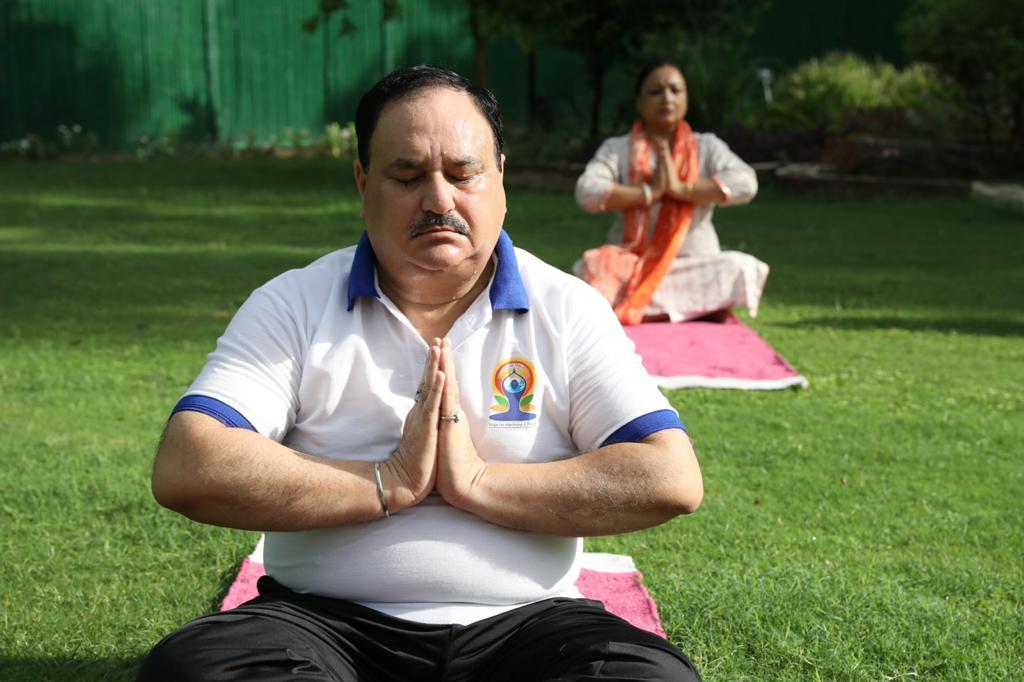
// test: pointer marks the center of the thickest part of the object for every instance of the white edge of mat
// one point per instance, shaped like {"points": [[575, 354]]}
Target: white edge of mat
{"points": [[742, 384], [594, 561], [608, 563], [257, 554]]}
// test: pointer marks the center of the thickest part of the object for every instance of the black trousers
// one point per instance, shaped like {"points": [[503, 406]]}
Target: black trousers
{"points": [[283, 635]]}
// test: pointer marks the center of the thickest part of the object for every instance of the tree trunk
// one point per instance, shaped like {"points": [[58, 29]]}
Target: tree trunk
{"points": [[479, 45], [211, 69], [1017, 125], [597, 68], [480, 59], [985, 114], [531, 87]]}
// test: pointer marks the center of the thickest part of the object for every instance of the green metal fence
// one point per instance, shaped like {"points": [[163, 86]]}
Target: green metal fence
{"points": [[226, 69], [244, 70]]}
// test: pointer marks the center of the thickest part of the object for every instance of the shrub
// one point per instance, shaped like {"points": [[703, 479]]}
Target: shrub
{"points": [[832, 91]]}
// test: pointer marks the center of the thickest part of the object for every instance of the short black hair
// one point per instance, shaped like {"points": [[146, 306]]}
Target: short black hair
{"points": [[405, 82], [649, 68]]}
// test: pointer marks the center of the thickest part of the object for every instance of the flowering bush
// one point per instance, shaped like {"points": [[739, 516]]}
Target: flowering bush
{"points": [[341, 140], [70, 140]]}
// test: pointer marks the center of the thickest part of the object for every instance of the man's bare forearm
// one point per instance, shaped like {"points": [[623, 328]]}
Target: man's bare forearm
{"points": [[240, 479], [616, 489]]}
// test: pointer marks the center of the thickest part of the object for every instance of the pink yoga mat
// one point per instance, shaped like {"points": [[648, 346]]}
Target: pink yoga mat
{"points": [[609, 578], [711, 355]]}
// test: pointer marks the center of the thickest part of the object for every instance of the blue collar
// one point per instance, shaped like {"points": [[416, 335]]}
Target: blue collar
{"points": [[507, 290]]}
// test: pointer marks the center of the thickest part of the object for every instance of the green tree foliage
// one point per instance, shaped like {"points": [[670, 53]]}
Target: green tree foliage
{"points": [[390, 9], [610, 32], [601, 33], [980, 45]]}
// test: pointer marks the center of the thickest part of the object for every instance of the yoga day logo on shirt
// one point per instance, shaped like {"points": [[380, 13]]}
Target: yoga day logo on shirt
{"points": [[513, 384]]}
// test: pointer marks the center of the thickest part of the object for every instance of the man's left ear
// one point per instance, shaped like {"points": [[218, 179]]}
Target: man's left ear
{"points": [[360, 174], [501, 168]]}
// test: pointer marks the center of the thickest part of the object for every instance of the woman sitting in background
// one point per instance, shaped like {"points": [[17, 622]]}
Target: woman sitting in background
{"points": [[663, 260]]}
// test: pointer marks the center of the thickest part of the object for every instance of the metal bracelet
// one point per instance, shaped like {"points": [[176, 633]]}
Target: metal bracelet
{"points": [[380, 490]]}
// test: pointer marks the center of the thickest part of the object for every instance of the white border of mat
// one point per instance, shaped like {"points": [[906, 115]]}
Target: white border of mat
{"points": [[608, 563], [798, 381]]}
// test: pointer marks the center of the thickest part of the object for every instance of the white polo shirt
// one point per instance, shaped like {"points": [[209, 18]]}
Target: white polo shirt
{"points": [[320, 360]]}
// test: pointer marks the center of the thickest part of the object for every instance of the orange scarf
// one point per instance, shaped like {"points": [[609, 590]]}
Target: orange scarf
{"points": [[629, 274]]}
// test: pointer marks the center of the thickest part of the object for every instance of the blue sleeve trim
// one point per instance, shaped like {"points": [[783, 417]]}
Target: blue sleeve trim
{"points": [[643, 426], [222, 412]]}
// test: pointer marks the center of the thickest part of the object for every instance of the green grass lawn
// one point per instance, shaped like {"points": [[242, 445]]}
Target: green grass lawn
{"points": [[870, 527]]}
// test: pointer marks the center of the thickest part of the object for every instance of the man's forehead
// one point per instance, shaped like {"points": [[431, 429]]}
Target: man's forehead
{"points": [[428, 96], [422, 121]]}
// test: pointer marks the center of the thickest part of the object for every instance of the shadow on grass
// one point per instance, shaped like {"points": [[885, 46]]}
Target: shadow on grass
{"points": [[175, 176], [972, 326], [62, 669]]}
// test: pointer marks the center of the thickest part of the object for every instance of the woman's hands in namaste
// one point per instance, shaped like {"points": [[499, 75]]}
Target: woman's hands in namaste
{"points": [[666, 180]]}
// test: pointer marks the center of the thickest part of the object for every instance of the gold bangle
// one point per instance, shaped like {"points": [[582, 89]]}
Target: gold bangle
{"points": [[689, 188]]}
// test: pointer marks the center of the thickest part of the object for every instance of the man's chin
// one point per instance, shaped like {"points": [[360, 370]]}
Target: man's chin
{"points": [[440, 258]]}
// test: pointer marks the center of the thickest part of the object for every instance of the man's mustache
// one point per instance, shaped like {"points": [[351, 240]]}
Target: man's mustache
{"points": [[428, 221]]}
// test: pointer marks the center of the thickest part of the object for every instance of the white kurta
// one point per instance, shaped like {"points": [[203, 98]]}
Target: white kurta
{"points": [[703, 278]]}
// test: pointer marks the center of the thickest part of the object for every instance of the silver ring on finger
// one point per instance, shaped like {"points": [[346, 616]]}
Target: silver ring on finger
{"points": [[451, 417], [419, 394]]}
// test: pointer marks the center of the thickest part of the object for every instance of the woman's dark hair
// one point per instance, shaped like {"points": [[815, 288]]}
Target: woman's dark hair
{"points": [[648, 68], [405, 82]]}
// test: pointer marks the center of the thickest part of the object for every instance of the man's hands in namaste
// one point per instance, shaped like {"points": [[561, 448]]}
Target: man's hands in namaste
{"points": [[434, 453]]}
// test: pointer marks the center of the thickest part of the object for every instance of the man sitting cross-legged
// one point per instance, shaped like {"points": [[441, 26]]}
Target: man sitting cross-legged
{"points": [[424, 425]]}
